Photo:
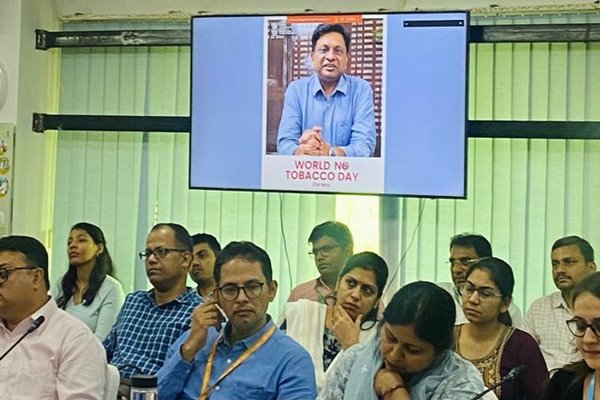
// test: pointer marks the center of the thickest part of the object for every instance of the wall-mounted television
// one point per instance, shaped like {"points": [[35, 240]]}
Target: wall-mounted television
{"points": [[284, 103]]}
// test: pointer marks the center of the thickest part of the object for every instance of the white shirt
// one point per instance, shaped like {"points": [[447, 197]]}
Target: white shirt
{"points": [[61, 360], [305, 323], [546, 322]]}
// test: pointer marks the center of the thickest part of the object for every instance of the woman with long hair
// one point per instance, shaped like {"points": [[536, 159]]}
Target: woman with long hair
{"points": [[412, 356], [581, 380], [489, 341], [88, 290], [350, 317]]}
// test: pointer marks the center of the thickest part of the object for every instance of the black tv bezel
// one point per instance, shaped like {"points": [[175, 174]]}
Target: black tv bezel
{"points": [[382, 194]]}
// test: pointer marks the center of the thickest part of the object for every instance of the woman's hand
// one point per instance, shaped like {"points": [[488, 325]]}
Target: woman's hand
{"points": [[345, 330], [386, 379]]}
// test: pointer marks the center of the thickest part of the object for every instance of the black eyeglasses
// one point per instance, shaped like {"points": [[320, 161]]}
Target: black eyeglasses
{"points": [[484, 293], [464, 261], [251, 289], [159, 252], [5, 272], [578, 327], [325, 250]]}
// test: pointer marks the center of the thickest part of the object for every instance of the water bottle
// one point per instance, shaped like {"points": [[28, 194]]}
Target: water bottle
{"points": [[144, 387]]}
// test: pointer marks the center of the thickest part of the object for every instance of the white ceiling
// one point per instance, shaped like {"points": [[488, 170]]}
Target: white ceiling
{"points": [[102, 9]]}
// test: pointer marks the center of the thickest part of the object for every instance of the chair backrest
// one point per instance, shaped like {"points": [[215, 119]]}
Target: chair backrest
{"points": [[111, 387]]}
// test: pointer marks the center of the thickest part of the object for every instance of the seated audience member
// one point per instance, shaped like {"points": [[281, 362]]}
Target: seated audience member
{"points": [[332, 244], [88, 290], [579, 380], [61, 358], [150, 321], [249, 358], [206, 248], [489, 341], [326, 330], [572, 261], [412, 357], [465, 249]]}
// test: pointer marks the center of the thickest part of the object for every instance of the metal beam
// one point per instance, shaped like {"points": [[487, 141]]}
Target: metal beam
{"points": [[534, 129], [122, 123], [535, 33], [475, 129], [45, 40]]}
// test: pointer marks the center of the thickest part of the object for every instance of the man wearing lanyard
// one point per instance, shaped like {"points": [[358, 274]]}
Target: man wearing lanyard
{"points": [[249, 358]]}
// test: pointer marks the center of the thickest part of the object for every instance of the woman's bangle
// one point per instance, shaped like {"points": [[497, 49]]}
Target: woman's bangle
{"points": [[389, 390]]}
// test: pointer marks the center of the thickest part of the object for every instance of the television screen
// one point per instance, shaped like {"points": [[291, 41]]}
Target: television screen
{"points": [[373, 104]]}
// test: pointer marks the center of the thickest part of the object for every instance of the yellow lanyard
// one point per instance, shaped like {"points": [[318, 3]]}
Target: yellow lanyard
{"points": [[206, 389]]}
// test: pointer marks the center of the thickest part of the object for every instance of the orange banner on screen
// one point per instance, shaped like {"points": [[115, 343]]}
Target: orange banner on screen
{"points": [[325, 19]]}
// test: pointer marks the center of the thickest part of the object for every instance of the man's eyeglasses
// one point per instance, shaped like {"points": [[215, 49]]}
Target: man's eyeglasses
{"points": [[578, 327], [338, 51], [251, 289], [484, 293], [159, 252], [325, 250], [464, 261], [5, 272]]}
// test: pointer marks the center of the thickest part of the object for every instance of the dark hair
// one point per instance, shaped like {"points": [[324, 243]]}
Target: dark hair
{"points": [[584, 246], [182, 236], [102, 267], [591, 284], [428, 308], [502, 275], [324, 29], [247, 251], [371, 262], [34, 251], [209, 239], [482, 246], [338, 231]]}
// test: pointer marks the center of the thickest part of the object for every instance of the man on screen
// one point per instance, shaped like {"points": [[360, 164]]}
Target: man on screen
{"points": [[329, 113]]}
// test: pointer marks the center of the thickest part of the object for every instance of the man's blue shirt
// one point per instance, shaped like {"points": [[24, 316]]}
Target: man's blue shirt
{"points": [[347, 116], [144, 331], [280, 369]]}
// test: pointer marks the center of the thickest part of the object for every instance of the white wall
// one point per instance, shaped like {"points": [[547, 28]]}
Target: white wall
{"points": [[32, 87], [10, 15], [84, 9]]}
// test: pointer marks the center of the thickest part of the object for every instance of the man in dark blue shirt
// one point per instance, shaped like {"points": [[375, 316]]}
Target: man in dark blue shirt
{"points": [[150, 321], [249, 358]]}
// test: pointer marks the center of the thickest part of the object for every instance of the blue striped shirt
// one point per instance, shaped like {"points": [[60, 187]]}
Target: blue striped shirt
{"points": [[139, 340]]}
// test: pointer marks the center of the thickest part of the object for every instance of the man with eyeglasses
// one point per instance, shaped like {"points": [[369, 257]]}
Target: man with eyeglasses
{"points": [[329, 113], [332, 245], [247, 359], [465, 249], [150, 321], [572, 261], [45, 352]]}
